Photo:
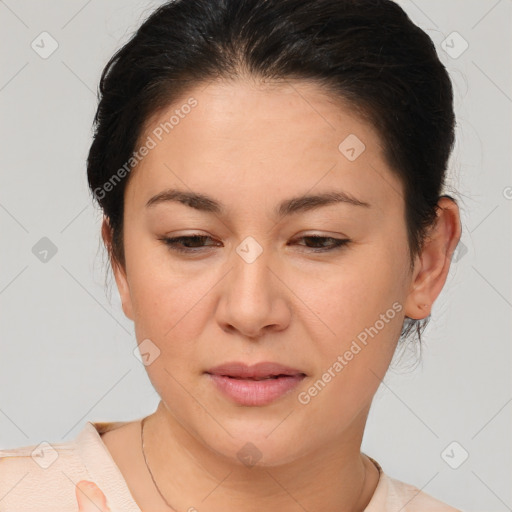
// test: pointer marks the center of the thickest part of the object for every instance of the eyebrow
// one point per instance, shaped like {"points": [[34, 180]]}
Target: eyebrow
{"points": [[287, 207]]}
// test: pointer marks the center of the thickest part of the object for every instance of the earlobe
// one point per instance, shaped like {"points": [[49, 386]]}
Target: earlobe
{"points": [[417, 304], [119, 273], [124, 290], [432, 266], [417, 311]]}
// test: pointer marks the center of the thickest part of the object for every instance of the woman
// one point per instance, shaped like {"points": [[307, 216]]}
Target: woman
{"points": [[271, 176]]}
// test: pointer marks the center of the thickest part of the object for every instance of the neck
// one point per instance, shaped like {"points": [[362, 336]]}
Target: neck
{"points": [[190, 476]]}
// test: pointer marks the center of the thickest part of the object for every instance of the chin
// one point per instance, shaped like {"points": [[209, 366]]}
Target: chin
{"points": [[255, 447]]}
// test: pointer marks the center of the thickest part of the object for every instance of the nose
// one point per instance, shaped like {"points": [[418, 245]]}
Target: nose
{"points": [[254, 297]]}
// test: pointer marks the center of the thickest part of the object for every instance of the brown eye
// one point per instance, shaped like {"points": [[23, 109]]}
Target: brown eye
{"points": [[335, 243], [187, 244]]}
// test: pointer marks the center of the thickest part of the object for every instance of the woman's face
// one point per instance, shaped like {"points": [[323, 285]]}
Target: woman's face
{"points": [[254, 290]]}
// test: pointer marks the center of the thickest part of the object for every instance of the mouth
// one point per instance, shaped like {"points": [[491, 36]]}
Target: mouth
{"points": [[255, 385], [258, 378], [259, 371]]}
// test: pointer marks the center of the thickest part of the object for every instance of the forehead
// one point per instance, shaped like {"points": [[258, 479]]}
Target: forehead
{"points": [[277, 139]]}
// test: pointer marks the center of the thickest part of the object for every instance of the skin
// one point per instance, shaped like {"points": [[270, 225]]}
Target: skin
{"points": [[90, 498], [250, 146]]}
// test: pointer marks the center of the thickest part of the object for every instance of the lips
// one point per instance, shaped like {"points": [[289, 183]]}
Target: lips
{"points": [[257, 385], [259, 371]]}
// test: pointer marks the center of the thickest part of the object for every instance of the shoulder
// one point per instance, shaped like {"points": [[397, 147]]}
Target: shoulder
{"points": [[391, 495], [413, 499], [33, 475], [44, 475]]}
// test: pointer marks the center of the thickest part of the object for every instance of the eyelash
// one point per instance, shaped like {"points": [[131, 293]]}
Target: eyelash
{"points": [[337, 244]]}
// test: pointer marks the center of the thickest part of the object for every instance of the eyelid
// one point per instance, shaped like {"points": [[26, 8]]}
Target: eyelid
{"points": [[336, 243]]}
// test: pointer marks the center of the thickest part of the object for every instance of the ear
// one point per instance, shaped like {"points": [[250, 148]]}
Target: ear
{"points": [[432, 265], [119, 272]]}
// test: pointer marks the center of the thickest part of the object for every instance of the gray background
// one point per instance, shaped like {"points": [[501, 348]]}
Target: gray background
{"points": [[66, 348]]}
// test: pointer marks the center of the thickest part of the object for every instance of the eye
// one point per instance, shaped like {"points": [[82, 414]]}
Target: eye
{"points": [[336, 243], [195, 243], [174, 243]]}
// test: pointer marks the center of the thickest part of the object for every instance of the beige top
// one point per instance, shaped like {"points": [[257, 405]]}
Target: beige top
{"points": [[44, 479]]}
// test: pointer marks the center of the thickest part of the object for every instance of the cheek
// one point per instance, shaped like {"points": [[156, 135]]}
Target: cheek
{"points": [[362, 304], [355, 294], [165, 307], [169, 304], [362, 309]]}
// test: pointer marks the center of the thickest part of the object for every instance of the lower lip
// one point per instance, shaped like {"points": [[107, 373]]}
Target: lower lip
{"points": [[255, 392]]}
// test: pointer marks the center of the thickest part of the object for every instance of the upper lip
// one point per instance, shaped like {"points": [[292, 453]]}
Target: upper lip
{"points": [[263, 369]]}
